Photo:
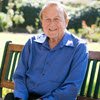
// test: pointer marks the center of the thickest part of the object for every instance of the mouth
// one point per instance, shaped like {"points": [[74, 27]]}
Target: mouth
{"points": [[52, 29]]}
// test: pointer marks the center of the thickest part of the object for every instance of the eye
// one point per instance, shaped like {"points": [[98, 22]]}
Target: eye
{"points": [[56, 19], [47, 20]]}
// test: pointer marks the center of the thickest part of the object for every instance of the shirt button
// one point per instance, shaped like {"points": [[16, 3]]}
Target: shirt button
{"points": [[43, 74], [37, 85], [47, 62]]}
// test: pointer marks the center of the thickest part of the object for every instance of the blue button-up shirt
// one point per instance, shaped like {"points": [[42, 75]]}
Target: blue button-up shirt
{"points": [[56, 74]]}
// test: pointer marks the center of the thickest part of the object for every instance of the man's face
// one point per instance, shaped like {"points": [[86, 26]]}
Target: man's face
{"points": [[53, 22]]}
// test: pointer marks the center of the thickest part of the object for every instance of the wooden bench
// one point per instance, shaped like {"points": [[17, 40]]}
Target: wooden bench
{"points": [[90, 89], [9, 62]]}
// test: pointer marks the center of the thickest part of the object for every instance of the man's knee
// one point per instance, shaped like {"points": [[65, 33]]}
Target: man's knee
{"points": [[9, 96]]}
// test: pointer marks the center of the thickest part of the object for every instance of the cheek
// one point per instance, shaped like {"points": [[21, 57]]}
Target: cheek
{"points": [[44, 25], [63, 25], [45, 28]]}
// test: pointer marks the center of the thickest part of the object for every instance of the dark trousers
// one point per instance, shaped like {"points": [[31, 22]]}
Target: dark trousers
{"points": [[32, 96], [9, 96]]}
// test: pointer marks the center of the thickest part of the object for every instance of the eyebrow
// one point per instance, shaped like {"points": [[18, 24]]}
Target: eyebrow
{"points": [[54, 17]]}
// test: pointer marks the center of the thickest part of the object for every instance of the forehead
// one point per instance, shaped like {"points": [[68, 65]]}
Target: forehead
{"points": [[52, 9]]}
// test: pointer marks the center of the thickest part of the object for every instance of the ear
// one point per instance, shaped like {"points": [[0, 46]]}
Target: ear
{"points": [[67, 21]]}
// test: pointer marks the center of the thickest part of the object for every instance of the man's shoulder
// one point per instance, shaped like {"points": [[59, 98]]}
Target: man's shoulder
{"points": [[77, 40], [39, 38]]}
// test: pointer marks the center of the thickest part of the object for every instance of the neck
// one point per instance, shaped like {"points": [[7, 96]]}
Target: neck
{"points": [[54, 41]]}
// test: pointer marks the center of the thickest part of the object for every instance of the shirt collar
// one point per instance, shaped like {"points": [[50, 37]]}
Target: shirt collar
{"points": [[66, 40], [40, 38]]}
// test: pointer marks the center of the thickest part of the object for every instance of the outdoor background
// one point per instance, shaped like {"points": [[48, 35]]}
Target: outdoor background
{"points": [[19, 20]]}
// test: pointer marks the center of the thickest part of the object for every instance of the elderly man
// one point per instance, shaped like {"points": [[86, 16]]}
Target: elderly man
{"points": [[52, 65]]}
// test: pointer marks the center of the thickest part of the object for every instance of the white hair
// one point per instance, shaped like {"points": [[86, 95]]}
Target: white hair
{"points": [[58, 4]]}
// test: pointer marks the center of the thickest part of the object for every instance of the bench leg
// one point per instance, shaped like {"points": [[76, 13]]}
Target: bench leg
{"points": [[0, 93]]}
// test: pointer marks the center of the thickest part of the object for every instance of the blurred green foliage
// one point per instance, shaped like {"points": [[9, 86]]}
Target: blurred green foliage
{"points": [[31, 15], [27, 14], [88, 13], [91, 33], [12, 16], [77, 12]]}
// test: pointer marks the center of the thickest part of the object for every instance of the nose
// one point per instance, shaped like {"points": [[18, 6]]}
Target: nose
{"points": [[52, 22]]}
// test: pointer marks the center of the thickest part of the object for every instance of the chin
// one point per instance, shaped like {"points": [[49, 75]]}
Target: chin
{"points": [[53, 36]]}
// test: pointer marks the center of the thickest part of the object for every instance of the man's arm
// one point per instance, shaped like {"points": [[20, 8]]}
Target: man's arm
{"points": [[20, 90]]}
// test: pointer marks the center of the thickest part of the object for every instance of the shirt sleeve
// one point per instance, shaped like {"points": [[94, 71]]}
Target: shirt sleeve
{"points": [[69, 89], [20, 89]]}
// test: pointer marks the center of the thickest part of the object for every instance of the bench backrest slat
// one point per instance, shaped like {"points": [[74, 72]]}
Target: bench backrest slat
{"points": [[95, 55], [13, 60], [82, 92], [97, 87], [14, 63], [8, 65], [92, 79]]}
